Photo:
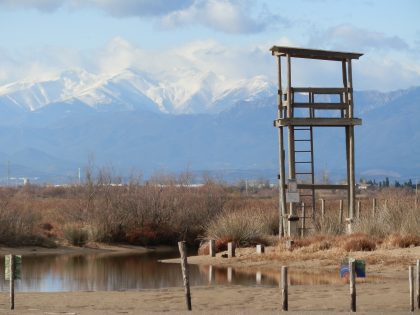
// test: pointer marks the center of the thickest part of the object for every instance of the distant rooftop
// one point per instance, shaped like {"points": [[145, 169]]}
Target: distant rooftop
{"points": [[313, 53]]}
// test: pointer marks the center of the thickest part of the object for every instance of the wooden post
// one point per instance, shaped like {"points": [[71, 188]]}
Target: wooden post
{"points": [[352, 269], [352, 179], [231, 249], [284, 290], [260, 249], [212, 248], [12, 281], [185, 274], [418, 283], [291, 145], [411, 283], [302, 229], [373, 207], [340, 214], [282, 171], [359, 206], [322, 208]]}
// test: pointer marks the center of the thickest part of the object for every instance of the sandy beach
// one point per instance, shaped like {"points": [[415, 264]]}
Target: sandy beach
{"points": [[377, 298], [384, 291]]}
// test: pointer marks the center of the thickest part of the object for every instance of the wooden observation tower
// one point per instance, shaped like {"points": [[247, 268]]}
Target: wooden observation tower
{"points": [[300, 118]]}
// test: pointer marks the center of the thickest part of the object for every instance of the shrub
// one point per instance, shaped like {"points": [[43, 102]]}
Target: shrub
{"points": [[403, 241], [359, 243], [245, 227], [75, 235], [142, 236]]}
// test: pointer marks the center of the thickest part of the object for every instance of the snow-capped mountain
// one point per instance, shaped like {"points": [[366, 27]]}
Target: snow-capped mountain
{"points": [[130, 120], [186, 91]]}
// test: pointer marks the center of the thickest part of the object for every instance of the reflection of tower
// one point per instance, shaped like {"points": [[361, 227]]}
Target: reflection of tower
{"points": [[258, 277], [229, 274], [79, 177], [211, 274]]}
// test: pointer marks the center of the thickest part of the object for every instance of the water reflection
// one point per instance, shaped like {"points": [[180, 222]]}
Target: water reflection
{"points": [[114, 272]]}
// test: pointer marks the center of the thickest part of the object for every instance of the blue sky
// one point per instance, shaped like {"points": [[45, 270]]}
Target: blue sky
{"points": [[39, 39]]}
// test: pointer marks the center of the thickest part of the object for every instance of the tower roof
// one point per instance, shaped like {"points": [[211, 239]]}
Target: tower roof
{"points": [[313, 53]]}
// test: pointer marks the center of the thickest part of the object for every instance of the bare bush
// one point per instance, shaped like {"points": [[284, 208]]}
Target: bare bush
{"points": [[246, 227]]}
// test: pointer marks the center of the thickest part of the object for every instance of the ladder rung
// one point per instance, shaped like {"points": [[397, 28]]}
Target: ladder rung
{"points": [[303, 151], [300, 162], [308, 129], [303, 173], [306, 195], [302, 139]]}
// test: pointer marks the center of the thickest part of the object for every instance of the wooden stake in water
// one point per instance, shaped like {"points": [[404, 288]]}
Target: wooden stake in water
{"points": [[212, 248], [411, 284], [284, 290], [185, 274], [231, 249], [418, 283], [352, 269], [12, 282]]}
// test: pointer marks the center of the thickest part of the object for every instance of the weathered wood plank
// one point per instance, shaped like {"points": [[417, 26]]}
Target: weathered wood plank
{"points": [[284, 290], [318, 90], [185, 273], [352, 269], [319, 186], [297, 52], [318, 122], [331, 106]]}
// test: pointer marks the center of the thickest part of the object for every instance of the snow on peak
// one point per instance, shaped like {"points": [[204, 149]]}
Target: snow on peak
{"points": [[180, 91]]}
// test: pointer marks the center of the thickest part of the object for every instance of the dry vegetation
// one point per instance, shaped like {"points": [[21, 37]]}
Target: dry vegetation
{"points": [[153, 214]]}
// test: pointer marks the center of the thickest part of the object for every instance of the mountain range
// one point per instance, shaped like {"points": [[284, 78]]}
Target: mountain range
{"points": [[135, 122]]}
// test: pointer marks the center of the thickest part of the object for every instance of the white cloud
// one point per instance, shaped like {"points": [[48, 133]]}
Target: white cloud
{"points": [[228, 16], [41, 5], [348, 37], [116, 8], [128, 8], [199, 58]]}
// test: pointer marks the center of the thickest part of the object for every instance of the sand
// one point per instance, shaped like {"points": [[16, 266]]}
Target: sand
{"points": [[387, 293], [378, 298]]}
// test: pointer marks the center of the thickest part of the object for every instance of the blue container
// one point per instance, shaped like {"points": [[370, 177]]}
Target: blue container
{"points": [[360, 268]]}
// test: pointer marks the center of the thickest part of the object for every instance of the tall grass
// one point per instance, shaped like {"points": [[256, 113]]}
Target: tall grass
{"points": [[397, 216]]}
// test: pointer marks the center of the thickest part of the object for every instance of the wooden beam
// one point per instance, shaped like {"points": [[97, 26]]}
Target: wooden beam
{"points": [[282, 160], [352, 177], [330, 106], [296, 52], [318, 90], [291, 132], [319, 186], [318, 122]]}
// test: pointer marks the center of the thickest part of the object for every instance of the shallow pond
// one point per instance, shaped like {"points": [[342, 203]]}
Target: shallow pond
{"points": [[115, 272]]}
